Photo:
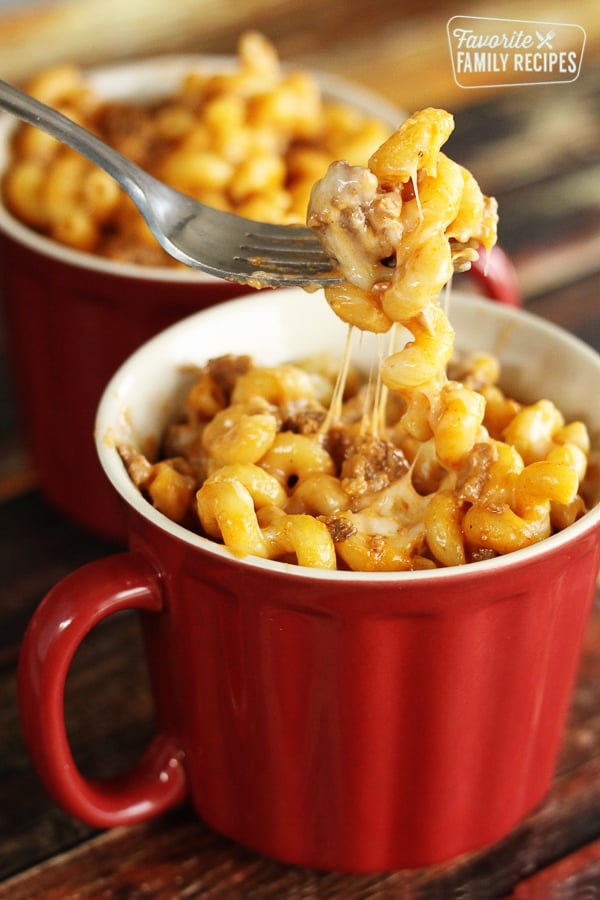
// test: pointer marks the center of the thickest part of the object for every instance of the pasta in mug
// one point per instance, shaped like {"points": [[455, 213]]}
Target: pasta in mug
{"points": [[424, 462]]}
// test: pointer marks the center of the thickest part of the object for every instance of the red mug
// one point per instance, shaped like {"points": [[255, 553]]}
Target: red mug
{"points": [[340, 720]]}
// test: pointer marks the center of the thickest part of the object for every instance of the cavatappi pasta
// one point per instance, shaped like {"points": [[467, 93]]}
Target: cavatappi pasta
{"points": [[258, 465], [251, 141], [427, 464]]}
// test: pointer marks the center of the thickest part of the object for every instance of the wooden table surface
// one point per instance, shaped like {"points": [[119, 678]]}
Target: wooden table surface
{"points": [[538, 150]]}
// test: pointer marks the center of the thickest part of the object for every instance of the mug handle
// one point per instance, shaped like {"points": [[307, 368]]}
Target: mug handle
{"points": [[65, 616], [497, 276]]}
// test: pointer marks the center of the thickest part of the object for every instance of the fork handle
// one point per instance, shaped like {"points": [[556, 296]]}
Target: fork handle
{"points": [[38, 114]]}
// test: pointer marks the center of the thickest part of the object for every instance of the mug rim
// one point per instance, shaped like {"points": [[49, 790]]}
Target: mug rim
{"points": [[334, 87], [117, 475]]}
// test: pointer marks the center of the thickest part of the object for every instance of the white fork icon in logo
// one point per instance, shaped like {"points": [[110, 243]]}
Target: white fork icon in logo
{"points": [[545, 41]]}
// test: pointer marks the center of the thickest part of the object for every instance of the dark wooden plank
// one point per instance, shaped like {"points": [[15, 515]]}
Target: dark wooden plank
{"points": [[109, 717], [537, 151], [522, 137], [38, 547], [577, 875], [574, 307]]}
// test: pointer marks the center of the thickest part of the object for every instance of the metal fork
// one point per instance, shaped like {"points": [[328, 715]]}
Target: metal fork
{"points": [[200, 236]]}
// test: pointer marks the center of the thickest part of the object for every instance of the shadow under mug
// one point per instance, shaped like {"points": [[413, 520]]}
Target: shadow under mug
{"points": [[73, 318], [345, 721]]}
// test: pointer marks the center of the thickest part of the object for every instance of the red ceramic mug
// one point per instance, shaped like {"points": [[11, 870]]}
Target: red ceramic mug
{"points": [[339, 720]]}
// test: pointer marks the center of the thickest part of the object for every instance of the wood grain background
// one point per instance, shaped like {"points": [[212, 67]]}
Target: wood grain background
{"points": [[400, 48]]}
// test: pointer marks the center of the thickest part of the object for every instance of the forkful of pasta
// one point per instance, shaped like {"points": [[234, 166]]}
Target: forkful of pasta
{"points": [[220, 243]]}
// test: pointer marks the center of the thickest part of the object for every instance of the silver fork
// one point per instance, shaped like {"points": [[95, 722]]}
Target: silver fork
{"points": [[200, 236]]}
